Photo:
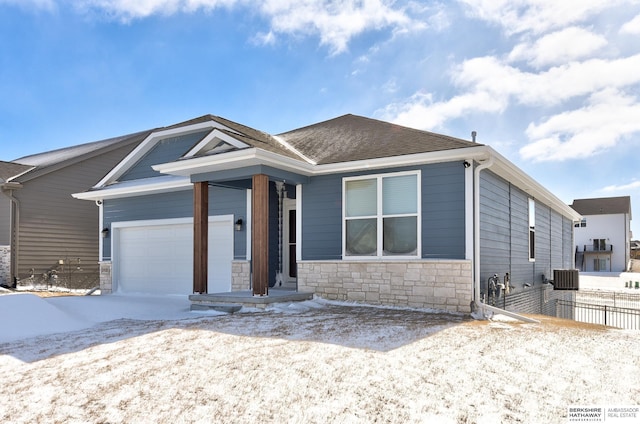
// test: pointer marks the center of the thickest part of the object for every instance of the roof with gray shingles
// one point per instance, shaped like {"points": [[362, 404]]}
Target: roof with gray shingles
{"points": [[602, 205], [351, 138], [54, 157], [43, 163], [243, 133], [342, 139], [9, 170]]}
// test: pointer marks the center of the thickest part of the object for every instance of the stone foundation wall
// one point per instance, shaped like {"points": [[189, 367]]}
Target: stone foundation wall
{"points": [[438, 284], [106, 282], [5, 265], [240, 275]]}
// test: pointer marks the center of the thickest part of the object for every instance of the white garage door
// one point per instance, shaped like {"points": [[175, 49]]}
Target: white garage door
{"points": [[157, 257]]}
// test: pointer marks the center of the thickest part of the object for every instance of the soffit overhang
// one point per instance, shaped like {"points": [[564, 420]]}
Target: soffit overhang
{"points": [[181, 173]]}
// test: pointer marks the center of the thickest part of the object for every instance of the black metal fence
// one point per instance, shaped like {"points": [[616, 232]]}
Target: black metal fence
{"points": [[610, 308], [609, 298], [612, 316], [533, 300]]}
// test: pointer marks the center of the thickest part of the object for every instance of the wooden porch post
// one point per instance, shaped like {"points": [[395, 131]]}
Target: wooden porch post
{"points": [[200, 235], [260, 235]]}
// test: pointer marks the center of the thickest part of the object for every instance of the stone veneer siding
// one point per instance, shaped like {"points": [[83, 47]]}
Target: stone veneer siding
{"points": [[5, 265], [438, 284], [240, 275], [106, 282]]}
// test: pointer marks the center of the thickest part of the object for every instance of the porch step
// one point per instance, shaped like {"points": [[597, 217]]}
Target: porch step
{"points": [[228, 308], [246, 298]]}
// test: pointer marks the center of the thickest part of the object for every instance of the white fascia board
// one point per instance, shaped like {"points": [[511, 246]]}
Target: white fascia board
{"points": [[148, 143], [216, 133], [154, 185], [20, 174], [231, 160], [507, 170], [255, 156], [471, 153]]}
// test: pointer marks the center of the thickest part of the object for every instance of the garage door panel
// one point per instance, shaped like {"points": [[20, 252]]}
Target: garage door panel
{"points": [[159, 258]]}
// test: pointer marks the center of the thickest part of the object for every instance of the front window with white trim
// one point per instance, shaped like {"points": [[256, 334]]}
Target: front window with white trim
{"points": [[381, 215]]}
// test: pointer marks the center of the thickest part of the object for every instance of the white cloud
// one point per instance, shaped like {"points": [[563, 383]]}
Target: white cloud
{"points": [[558, 47], [127, 10], [489, 85], [631, 27], [567, 64], [551, 87], [334, 22], [536, 16], [609, 116], [624, 187], [265, 38], [421, 112]]}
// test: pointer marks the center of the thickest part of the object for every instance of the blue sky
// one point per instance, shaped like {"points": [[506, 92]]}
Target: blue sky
{"points": [[552, 85]]}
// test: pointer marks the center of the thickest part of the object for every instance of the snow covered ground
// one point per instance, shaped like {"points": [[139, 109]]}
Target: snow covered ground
{"points": [[610, 281], [149, 359]]}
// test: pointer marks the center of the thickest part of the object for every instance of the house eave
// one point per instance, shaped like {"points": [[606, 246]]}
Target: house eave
{"points": [[147, 186], [256, 156], [232, 160], [470, 153], [179, 172], [507, 170]]}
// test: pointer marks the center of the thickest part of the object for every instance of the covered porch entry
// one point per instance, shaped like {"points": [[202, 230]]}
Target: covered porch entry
{"points": [[272, 224]]}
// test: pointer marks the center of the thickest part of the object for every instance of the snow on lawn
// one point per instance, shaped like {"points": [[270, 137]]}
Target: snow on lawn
{"points": [[141, 359]]}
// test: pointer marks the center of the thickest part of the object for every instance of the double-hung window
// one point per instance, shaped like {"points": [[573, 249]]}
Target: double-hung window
{"points": [[381, 215]]}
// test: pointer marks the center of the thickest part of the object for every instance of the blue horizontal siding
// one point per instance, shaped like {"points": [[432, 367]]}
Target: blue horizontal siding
{"points": [[504, 235], [322, 218], [166, 150], [443, 212], [495, 227], [177, 204], [522, 270]]}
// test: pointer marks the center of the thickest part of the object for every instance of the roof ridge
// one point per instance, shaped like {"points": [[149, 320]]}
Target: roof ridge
{"points": [[294, 150], [381, 122], [78, 146]]}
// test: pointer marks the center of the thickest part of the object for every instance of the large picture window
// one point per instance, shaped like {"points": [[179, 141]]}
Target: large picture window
{"points": [[381, 215]]}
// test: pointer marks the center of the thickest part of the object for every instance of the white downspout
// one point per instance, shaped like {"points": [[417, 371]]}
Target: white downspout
{"points": [[100, 227], [476, 232], [7, 189], [482, 307]]}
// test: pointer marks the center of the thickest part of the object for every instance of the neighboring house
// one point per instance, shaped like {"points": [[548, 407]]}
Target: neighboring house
{"points": [[635, 249], [47, 236], [603, 236], [351, 209]]}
